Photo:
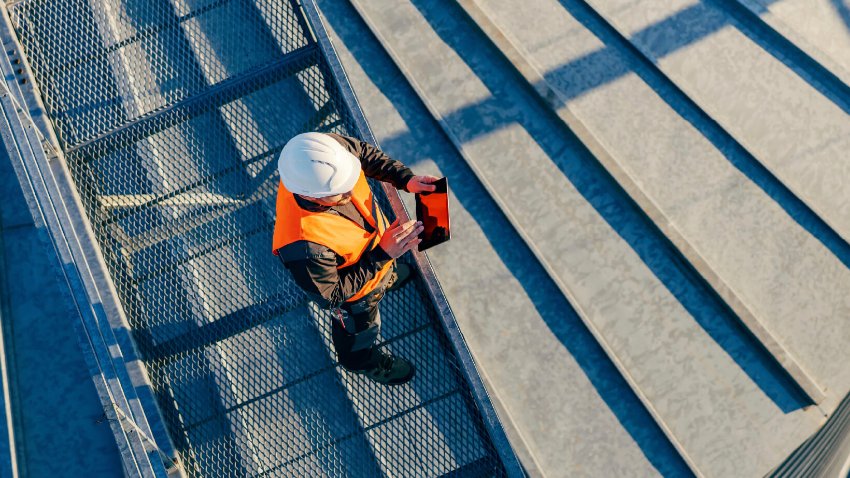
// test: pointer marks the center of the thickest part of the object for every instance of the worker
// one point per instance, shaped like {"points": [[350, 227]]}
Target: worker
{"points": [[331, 234]]}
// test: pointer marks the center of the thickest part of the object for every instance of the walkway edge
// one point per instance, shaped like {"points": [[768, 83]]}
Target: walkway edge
{"points": [[524, 452], [469, 370], [552, 99]]}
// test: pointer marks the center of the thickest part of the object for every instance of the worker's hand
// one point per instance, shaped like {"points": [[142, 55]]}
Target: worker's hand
{"points": [[421, 184], [400, 238]]}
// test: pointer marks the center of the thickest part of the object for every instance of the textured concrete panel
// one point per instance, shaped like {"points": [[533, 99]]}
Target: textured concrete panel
{"points": [[793, 129], [820, 28], [708, 405], [774, 273], [569, 409]]}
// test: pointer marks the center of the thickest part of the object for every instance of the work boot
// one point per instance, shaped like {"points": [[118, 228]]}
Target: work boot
{"points": [[391, 370], [401, 275]]}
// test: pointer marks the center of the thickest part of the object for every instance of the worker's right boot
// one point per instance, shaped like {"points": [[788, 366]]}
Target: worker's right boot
{"points": [[391, 370]]}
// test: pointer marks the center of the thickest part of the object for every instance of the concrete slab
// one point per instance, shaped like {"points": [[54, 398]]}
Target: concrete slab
{"points": [[773, 272], [709, 408], [821, 28], [55, 409], [579, 418], [794, 130]]}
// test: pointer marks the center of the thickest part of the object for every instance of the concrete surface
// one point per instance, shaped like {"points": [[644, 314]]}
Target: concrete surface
{"points": [[800, 133], [795, 127], [820, 28], [596, 269], [523, 333], [691, 178], [59, 423]]}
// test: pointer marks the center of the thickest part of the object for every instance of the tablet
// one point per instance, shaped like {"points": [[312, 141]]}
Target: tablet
{"points": [[432, 209]]}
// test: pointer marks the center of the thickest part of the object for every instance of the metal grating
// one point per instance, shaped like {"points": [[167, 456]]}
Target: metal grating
{"points": [[171, 115]]}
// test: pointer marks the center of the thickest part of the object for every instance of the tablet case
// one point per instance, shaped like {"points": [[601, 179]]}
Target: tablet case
{"points": [[432, 209]]}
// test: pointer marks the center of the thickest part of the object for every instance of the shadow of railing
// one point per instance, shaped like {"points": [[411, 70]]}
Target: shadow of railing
{"points": [[685, 107]]}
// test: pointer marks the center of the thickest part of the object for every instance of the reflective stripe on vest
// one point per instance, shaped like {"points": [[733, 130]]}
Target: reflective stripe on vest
{"points": [[335, 232]]}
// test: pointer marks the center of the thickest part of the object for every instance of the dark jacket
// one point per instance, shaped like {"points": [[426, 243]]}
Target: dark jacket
{"points": [[314, 266]]}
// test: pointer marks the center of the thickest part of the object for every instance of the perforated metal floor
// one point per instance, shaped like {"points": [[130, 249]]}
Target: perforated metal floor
{"points": [[170, 115]]}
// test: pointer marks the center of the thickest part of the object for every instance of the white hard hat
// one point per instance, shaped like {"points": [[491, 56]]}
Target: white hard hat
{"points": [[316, 165]]}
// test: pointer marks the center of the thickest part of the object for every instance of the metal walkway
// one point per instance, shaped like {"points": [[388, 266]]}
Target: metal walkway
{"points": [[170, 116]]}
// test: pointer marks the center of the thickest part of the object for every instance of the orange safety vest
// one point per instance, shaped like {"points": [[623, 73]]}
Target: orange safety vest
{"points": [[335, 232]]}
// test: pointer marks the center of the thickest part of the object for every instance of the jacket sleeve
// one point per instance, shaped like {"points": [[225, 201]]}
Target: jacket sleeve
{"points": [[314, 269], [375, 163]]}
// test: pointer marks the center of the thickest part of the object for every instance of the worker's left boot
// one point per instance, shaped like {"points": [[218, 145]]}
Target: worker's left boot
{"points": [[401, 276], [390, 370]]}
